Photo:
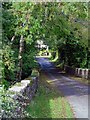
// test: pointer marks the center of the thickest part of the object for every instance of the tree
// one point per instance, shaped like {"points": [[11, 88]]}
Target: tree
{"points": [[62, 26]]}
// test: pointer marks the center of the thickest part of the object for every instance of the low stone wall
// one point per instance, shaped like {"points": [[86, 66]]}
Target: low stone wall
{"points": [[20, 95], [23, 92], [84, 73], [25, 88]]}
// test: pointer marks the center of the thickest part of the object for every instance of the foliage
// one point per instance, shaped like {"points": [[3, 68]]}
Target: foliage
{"points": [[9, 64], [18, 20], [65, 30], [62, 26], [8, 59], [10, 108]]}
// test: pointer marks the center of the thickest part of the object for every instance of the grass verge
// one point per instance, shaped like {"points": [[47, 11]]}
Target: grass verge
{"points": [[48, 103]]}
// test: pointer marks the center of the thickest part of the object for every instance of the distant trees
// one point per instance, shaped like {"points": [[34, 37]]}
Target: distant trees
{"points": [[66, 31]]}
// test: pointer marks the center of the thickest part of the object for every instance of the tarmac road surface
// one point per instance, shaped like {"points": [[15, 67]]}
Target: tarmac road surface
{"points": [[77, 94]]}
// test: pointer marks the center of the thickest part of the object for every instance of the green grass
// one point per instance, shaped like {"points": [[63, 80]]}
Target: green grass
{"points": [[48, 103]]}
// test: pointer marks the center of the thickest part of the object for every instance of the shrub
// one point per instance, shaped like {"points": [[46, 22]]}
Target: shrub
{"points": [[10, 108]]}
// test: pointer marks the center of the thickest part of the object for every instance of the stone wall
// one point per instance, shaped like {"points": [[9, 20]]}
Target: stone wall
{"points": [[27, 87], [84, 73], [20, 95]]}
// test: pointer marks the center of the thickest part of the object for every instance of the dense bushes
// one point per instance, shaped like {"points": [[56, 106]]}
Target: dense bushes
{"points": [[18, 42], [66, 31], [73, 54]]}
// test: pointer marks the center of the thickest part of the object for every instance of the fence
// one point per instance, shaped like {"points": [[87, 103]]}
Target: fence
{"points": [[84, 73]]}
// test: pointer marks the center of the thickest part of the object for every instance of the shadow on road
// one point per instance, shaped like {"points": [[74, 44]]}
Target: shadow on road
{"points": [[48, 103], [63, 83], [75, 92]]}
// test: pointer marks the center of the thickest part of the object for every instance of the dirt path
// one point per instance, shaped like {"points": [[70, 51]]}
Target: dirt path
{"points": [[74, 91]]}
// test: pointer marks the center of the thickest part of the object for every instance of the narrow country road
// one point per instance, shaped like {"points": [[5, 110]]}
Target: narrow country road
{"points": [[76, 93]]}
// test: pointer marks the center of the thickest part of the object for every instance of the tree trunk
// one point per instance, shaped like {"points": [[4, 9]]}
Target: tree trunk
{"points": [[13, 38], [21, 47]]}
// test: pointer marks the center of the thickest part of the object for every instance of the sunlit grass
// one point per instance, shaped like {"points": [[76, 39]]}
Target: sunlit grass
{"points": [[48, 103]]}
